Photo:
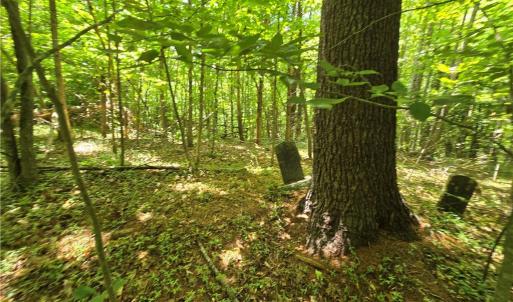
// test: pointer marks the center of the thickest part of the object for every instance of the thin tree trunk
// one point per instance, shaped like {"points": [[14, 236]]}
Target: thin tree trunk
{"points": [[190, 108], [240, 125], [260, 101], [215, 117], [28, 173], [274, 112], [57, 61], [9, 147], [18, 33], [176, 111], [201, 109]]}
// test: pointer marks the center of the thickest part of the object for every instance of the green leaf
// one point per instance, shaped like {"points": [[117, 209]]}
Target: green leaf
{"points": [[346, 82], [276, 41], [313, 86], [135, 23], [452, 99], [328, 68], [184, 53], [420, 111], [83, 292], [117, 285], [297, 100], [149, 55], [367, 72], [443, 68], [379, 89], [203, 31], [99, 298], [178, 36], [399, 87], [325, 103]]}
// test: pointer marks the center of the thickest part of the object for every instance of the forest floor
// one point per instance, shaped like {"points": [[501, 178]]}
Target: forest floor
{"points": [[155, 220]]}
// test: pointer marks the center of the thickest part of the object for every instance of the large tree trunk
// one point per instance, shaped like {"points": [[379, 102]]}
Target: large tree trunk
{"points": [[27, 155], [355, 190]]}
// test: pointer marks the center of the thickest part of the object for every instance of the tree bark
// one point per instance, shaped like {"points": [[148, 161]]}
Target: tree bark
{"points": [[19, 34], [240, 125], [355, 190], [260, 105], [9, 147], [57, 61], [28, 173]]}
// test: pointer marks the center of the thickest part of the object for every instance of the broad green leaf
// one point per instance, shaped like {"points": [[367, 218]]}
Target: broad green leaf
{"points": [[100, 298], [379, 89], [328, 68], [117, 285], [452, 99], [184, 53], [346, 82], [443, 68], [297, 100], [420, 111], [367, 72], [399, 87], [149, 55], [178, 36], [313, 86], [203, 31], [326, 103], [276, 41], [82, 292], [135, 23]]}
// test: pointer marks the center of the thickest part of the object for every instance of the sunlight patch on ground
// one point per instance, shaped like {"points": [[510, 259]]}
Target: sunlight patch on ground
{"points": [[77, 245], [87, 148], [199, 187], [232, 256], [143, 217]]}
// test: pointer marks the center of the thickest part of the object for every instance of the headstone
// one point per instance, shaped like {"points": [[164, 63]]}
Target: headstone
{"points": [[290, 162], [457, 194]]}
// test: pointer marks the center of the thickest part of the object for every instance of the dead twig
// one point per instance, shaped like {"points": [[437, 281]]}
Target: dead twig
{"points": [[221, 279]]}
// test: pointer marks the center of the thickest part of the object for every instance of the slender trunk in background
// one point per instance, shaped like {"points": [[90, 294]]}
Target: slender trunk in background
{"points": [[201, 110], [260, 101], [240, 125], [175, 110], [299, 75], [164, 122], [28, 173], [58, 62], [215, 117], [308, 129], [190, 107], [110, 95], [18, 33], [291, 108], [119, 94], [103, 106], [232, 109], [9, 147], [138, 111], [274, 112]]}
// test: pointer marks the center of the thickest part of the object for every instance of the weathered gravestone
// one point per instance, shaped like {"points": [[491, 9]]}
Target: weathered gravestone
{"points": [[457, 194], [290, 162]]}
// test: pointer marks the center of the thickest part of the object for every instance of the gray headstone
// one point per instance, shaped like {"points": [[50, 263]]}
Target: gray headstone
{"points": [[290, 162], [457, 194]]}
